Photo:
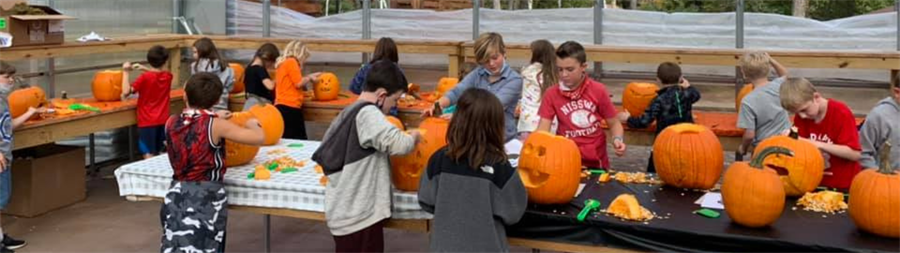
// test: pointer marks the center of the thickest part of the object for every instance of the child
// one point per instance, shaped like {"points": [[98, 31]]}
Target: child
{"points": [[492, 74], [385, 49], [153, 101], [209, 60], [256, 76], [673, 104], [469, 185], [289, 86], [580, 104], [882, 124], [7, 124], [827, 123], [760, 115], [355, 156], [194, 214], [538, 76]]}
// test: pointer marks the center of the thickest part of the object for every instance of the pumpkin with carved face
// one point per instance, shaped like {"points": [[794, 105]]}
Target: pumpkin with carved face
{"points": [[21, 99], [637, 97], [327, 87], [803, 171], [550, 168], [235, 153], [107, 85], [407, 169], [238, 78]]}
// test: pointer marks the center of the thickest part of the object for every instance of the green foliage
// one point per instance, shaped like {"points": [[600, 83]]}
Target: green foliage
{"points": [[345, 6], [818, 9]]}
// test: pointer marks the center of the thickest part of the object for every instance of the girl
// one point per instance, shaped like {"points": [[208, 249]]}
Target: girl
{"points": [[256, 76], [208, 60], [194, 214], [469, 185], [385, 49], [538, 76], [290, 85]]}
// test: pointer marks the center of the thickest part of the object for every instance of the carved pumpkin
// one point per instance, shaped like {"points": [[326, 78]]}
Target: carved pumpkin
{"points": [[20, 100], [802, 172], [550, 168], [238, 78], [270, 119], [626, 206], [741, 94], [237, 154], [688, 156], [445, 85], [407, 169], [327, 87], [637, 97], [753, 195], [396, 122], [875, 198], [107, 85]]}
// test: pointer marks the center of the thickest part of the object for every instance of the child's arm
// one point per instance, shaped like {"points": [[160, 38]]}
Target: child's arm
{"points": [[746, 141], [647, 118], [308, 79], [270, 85], [451, 96], [547, 112], [510, 93], [688, 92], [746, 121], [126, 86], [251, 134], [376, 132], [510, 200], [780, 70], [428, 184], [18, 121], [871, 137], [842, 151], [545, 125], [357, 83], [617, 131]]}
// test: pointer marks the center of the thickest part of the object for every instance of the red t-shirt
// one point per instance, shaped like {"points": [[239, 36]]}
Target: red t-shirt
{"points": [[838, 127], [580, 118], [153, 89]]}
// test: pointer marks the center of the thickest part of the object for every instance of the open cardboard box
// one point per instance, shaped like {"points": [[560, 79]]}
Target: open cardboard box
{"points": [[32, 29]]}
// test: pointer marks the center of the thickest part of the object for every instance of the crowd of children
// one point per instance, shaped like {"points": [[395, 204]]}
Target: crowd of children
{"points": [[482, 193]]}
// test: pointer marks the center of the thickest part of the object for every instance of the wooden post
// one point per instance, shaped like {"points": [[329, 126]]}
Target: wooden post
{"points": [[895, 78], [175, 65], [454, 65]]}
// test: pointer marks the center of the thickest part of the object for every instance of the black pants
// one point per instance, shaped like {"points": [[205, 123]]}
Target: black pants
{"points": [[370, 239], [294, 125]]}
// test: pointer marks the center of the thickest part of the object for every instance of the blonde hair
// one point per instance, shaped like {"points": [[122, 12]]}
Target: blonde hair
{"points": [[755, 65], [295, 49], [795, 92], [487, 45]]}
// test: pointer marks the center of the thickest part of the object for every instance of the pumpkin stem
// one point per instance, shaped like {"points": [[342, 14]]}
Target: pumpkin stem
{"points": [[884, 159], [794, 133], [757, 161]]}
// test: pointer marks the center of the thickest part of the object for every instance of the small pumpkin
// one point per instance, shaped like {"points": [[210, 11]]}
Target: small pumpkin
{"points": [[261, 173], [445, 84], [270, 119], [741, 94], [637, 97], [327, 87], [237, 154], [802, 172], [753, 194], [238, 78], [407, 169], [396, 122], [20, 100], [626, 206], [550, 168], [875, 198], [107, 85], [688, 156]]}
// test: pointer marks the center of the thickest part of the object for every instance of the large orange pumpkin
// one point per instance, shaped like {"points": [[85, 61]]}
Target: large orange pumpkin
{"points": [[688, 156], [445, 84], [107, 85], [741, 94], [396, 122], [875, 198], [407, 169], [270, 119], [751, 193], [802, 172], [550, 168], [235, 153], [238, 78], [327, 87], [20, 100], [637, 97]]}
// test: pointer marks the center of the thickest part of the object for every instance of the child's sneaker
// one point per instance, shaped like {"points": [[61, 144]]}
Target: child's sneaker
{"points": [[11, 243]]}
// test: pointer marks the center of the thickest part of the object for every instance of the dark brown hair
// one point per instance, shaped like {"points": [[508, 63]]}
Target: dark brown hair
{"points": [[7, 69], [572, 49], [203, 90], [157, 56], [668, 73], [476, 131], [207, 50], [386, 75], [542, 51], [267, 53], [385, 49]]}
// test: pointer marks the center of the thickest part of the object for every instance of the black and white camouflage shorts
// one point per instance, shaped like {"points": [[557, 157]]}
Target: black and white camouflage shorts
{"points": [[194, 217]]}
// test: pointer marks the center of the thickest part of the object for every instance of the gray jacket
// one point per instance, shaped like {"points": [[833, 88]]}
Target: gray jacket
{"points": [[226, 76], [882, 124]]}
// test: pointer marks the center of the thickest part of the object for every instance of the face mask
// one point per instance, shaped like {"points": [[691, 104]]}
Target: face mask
{"points": [[5, 88]]}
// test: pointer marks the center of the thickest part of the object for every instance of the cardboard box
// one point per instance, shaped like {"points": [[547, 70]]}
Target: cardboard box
{"points": [[32, 29], [46, 178]]}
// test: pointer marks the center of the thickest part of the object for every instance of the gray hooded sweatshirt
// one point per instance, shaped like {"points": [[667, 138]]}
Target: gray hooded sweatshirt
{"points": [[226, 76], [882, 124]]}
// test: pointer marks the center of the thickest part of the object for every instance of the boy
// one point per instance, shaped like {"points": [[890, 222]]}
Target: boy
{"points": [[882, 124], [761, 115], [7, 124], [355, 156], [153, 103], [672, 105], [580, 104], [827, 123]]}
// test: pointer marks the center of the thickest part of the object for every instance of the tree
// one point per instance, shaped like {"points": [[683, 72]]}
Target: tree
{"points": [[800, 7]]}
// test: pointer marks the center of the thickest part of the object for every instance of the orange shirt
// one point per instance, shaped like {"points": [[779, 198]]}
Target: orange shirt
{"points": [[287, 76]]}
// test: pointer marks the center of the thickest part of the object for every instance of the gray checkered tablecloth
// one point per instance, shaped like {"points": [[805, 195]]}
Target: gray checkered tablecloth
{"points": [[296, 190]]}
